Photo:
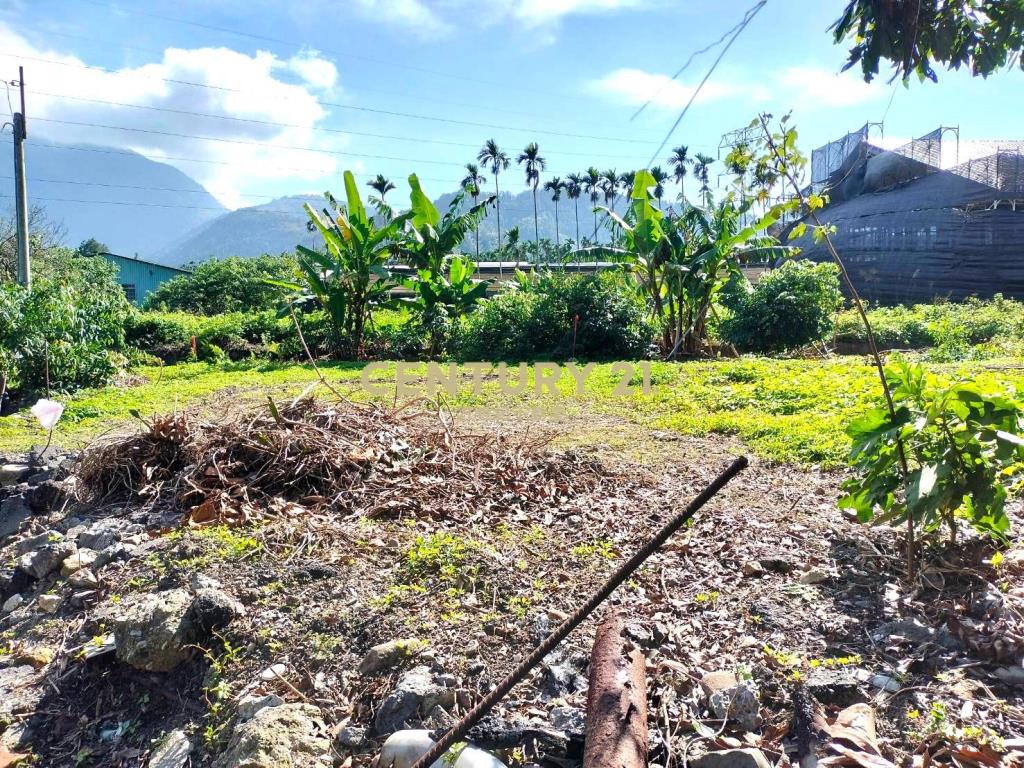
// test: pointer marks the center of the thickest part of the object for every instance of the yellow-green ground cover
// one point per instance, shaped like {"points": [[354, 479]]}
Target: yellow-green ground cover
{"points": [[784, 410]]}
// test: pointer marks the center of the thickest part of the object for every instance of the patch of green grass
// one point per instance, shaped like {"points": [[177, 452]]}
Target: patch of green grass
{"points": [[790, 411]]}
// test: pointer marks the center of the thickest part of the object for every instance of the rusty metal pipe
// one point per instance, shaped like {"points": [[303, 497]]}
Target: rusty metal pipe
{"points": [[626, 570], [616, 700]]}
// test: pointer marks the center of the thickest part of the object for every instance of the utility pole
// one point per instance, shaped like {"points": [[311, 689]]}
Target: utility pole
{"points": [[20, 188]]}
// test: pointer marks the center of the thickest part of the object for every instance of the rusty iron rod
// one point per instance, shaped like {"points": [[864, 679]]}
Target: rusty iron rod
{"points": [[616, 700], [499, 692]]}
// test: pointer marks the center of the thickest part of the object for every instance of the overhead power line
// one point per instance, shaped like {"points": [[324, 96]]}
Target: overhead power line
{"points": [[300, 47], [318, 129], [348, 86], [337, 105], [748, 17]]}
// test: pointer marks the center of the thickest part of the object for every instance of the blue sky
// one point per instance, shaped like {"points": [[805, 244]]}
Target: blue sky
{"points": [[307, 81]]}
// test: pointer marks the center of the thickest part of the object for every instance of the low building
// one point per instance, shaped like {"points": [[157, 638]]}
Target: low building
{"points": [[139, 278]]}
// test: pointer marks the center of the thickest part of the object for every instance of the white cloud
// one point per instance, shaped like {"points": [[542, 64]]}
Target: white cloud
{"points": [[807, 88], [824, 88], [414, 15], [240, 86], [536, 13]]}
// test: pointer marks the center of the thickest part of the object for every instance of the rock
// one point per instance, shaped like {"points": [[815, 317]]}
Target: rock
{"points": [[1011, 675], [211, 610], [49, 603], [202, 581], [13, 581], [290, 735], [732, 758], [988, 605], [752, 568], [273, 672], [12, 474], [12, 604], [913, 631], [813, 576], [387, 655], [83, 558], [20, 689], [46, 496], [14, 511], [732, 699], [32, 543], [415, 694], [41, 562], [172, 751], [84, 579], [883, 682], [250, 705], [351, 739], [154, 633], [404, 748], [562, 678], [570, 720], [103, 533], [121, 552], [777, 565], [833, 686]]}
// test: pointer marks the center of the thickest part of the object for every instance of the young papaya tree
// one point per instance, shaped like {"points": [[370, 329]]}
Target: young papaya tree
{"points": [[349, 278]]}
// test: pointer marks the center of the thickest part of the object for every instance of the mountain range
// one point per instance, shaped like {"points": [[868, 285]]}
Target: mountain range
{"points": [[137, 206]]}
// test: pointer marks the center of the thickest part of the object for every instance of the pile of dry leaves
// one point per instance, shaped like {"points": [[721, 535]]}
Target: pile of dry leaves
{"points": [[350, 459]]}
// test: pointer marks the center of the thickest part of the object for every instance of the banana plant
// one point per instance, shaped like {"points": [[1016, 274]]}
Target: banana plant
{"points": [[431, 237], [438, 297], [349, 278]]}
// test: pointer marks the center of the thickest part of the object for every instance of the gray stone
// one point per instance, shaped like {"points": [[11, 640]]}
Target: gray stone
{"points": [[14, 511], [120, 552], [250, 705], [46, 495], [172, 751], [572, 721], [154, 633], [49, 603], [731, 699], [387, 655], [32, 543], [352, 739], [202, 581], [41, 562], [12, 474], [211, 610], [84, 579], [11, 604], [20, 688], [291, 735], [833, 686], [414, 695], [732, 758], [1011, 675], [101, 534], [913, 631]]}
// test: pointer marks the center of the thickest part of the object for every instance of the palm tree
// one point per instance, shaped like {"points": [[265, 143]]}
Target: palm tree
{"points": [[491, 156], [626, 181], [382, 184], [680, 162], [660, 177], [533, 164], [592, 184], [472, 182], [610, 187], [701, 165], [555, 185], [573, 189]]}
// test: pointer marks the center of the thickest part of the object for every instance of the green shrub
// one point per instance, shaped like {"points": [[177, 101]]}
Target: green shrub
{"points": [[789, 307], [537, 320], [963, 446], [68, 332], [233, 284], [952, 329]]}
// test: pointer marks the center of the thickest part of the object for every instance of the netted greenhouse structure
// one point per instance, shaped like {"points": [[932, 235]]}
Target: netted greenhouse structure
{"points": [[918, 222]]}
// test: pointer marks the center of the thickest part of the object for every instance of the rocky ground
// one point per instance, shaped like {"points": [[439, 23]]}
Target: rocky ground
{"points": [[292, 586]]}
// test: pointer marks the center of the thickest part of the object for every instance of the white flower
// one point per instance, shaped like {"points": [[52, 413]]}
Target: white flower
{"points": [[48, 412]]}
